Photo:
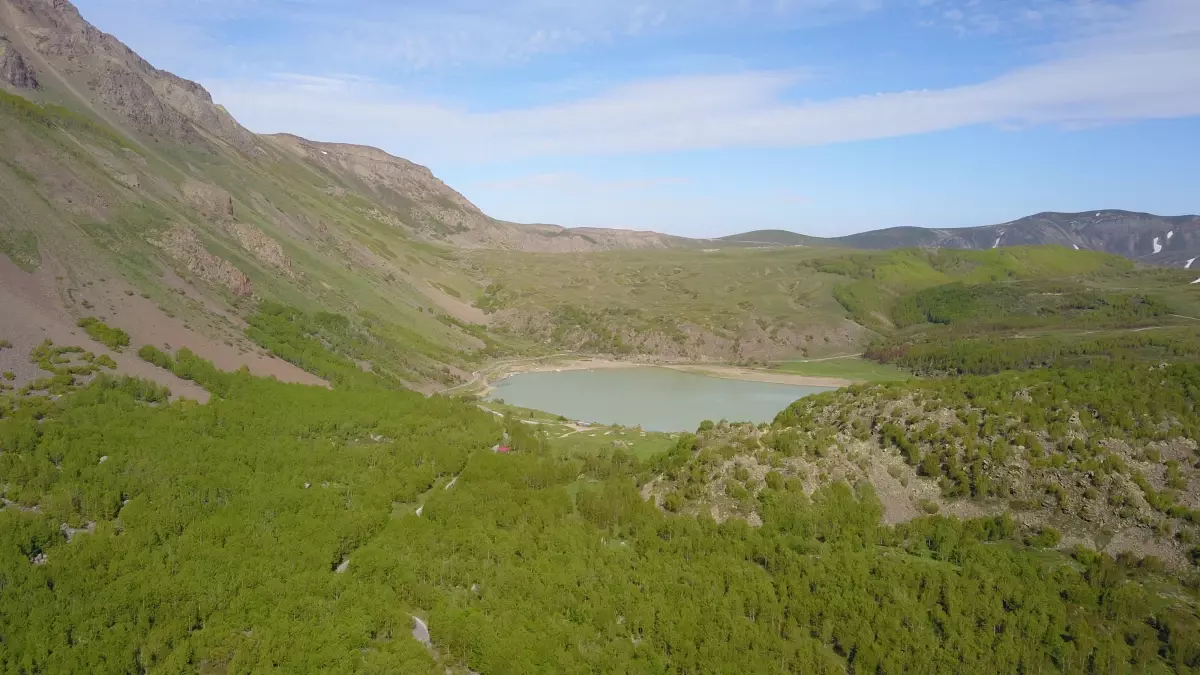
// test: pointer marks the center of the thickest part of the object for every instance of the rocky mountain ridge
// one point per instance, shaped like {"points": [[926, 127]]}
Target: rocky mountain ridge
{"points": [[1158, 240], [88, 66], [48, 42]]}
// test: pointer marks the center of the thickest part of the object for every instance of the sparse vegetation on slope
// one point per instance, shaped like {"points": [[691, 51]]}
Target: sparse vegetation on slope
{"points": [[113, 338], [877, 280], [732, 305]]}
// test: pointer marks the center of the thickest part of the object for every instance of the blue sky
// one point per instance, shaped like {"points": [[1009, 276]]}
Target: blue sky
{"points": [[707, 117]]}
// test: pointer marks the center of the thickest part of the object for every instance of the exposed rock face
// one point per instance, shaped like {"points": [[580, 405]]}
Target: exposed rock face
{"points": [[13, 68], [263, 247], [211, 200], [408, 196], [153, 101], [182, 244], [123, 92]]}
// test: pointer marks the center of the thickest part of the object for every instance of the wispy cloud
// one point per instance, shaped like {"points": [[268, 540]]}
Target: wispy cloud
{"points": [[417, 34], [1140, 67], [987, 17], [580, 184]]}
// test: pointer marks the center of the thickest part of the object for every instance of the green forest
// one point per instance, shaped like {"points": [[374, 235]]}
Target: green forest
{"points": [[299, 529], [175, 537]]}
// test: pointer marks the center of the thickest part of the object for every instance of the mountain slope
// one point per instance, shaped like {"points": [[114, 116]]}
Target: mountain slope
{"points": [[1156, 240]]}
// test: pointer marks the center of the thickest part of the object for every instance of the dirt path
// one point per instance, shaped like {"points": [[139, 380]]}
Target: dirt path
{"points": [[420, 633]]}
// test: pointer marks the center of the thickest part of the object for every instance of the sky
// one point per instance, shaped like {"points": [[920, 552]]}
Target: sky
{"points": [[709, 117]]}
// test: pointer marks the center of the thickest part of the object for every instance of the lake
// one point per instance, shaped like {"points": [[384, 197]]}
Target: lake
{"points": [[657, 399]]}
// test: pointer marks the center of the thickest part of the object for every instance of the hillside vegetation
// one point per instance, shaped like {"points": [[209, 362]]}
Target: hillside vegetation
{"points": [[1073, 408], [742, 304], [1019, 492], [301, 503]]}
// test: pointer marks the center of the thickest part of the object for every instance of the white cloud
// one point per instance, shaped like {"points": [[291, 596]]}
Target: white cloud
{"points": [[1142, 67]]}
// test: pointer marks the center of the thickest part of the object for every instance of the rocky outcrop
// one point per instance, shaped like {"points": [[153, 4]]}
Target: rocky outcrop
{"points": [[153, 101], [123, 92], [181, 243], [262, 247], [13, 69], [210, 200], [408, 196]]}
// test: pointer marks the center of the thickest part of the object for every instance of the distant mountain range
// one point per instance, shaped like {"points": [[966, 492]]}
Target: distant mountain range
{"points": [[1159, 240]]}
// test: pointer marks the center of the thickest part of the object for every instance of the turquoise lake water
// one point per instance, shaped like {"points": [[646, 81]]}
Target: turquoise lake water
{"points": [[657, 399]]}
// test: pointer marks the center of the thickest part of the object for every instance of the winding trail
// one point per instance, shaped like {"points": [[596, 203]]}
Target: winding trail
{"points": [[420, 633]]}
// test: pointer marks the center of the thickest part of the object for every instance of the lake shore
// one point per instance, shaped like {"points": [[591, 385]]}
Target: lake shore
{"points": [[753, 375], [483, 382]]}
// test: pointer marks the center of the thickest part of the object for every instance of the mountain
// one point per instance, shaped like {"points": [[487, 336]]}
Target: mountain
{"points": [[769, 238], [131, 197], [129, 194], [1157, 240]]}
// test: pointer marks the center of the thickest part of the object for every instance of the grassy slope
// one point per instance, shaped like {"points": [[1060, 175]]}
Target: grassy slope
{"points": [[851, 368], [736, 304], [60, 190]]}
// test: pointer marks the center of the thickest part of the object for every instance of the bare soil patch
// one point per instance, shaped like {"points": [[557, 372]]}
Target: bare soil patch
{"points": [[29, 316], [455, 307]]}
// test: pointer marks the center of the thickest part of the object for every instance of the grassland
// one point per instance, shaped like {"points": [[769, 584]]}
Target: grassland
{"points": [[731, 305], [742, 306], [850, 368]]}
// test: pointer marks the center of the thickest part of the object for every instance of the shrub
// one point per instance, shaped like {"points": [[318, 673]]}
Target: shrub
{"points": [[673, 502], [736, 491], [158, 357], [113, 338], [1046, 537]]}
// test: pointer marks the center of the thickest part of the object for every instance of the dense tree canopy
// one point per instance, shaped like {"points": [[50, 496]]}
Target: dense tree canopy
{"points": [[156, 537]]}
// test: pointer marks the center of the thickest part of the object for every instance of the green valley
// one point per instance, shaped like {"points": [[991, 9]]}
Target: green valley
{"points": [[245, 422]]}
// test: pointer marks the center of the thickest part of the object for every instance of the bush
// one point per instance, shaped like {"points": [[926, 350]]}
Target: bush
{"points": [[736, 491], [113, 338], [673, 502], [1046, 537], [158, 357]]}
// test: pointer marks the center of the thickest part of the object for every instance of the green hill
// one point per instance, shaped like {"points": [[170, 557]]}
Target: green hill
{"points": [[214, 457]]}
